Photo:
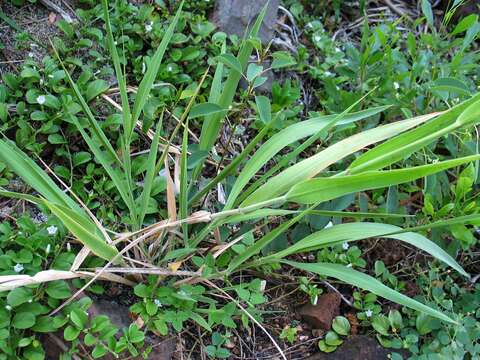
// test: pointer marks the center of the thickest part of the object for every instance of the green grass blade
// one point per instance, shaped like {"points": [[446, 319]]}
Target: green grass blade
{"points": [[264, 241], [288, 136], [128, 124], [324, 189], [117, 176], [402, 146], [216, 88], [94, 127], [263, 213], [147, 82], [183, 197], [311, 166], [149, 176], [368, 283], [34, 176], [235, 163], [77, 226], [211, 126], [347, 232]]}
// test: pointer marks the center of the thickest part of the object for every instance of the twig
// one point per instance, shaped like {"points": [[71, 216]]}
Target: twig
{"points": [[54, 7]]}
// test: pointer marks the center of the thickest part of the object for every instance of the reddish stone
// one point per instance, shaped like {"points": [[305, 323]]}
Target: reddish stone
{"points": [[321, 315]]}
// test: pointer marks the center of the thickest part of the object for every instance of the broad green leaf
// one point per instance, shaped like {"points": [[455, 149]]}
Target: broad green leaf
{"points": [[427, 12], [282, 59], [253, 70], [366, 282], [347, 232], [264, 109], [311, 166], [96, 88], [231, 61], [204, 109], [324, 189]]}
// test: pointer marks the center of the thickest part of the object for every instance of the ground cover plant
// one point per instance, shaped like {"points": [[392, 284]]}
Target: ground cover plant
{"points": [[121, 147]]}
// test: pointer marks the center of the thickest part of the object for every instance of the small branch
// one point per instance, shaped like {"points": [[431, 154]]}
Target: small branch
{"points": [[54, 7]]}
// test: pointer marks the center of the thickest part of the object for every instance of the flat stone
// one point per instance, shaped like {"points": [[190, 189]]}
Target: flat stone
{"points": [[235, 16], [357, 347], [321, 315]]}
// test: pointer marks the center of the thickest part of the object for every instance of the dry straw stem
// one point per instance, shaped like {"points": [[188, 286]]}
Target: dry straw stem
{"points": [[10, 282]]}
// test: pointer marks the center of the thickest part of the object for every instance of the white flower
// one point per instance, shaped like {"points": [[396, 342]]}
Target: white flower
{"points": [[317, 38], [337, 50], [396, 85], [52, 230], [47, 250], [18, 268], [169, 68], [8, 307], [69, 247], [157, 302], [368, 313], [345, 246], [330, 224], [41, 99], [30, 54], [149, 27]]}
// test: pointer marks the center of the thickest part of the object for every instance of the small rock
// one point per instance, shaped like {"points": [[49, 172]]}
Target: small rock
{"points": [[234, 16], [320, 316], [118, 314], [357, 347]]}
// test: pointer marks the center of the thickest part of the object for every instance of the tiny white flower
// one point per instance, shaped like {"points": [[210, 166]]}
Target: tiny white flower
{"points": [[149, 27], [345, 246], [47, 250], [18, 268], [30, 54], [317, 38], [349, 265], [157, 302], [330, 224], [30, 301], [338, 50], [396, 85], [169, 68], [8, 307], [52, 230], [69, 247], [368, 313], [41, 81], [41, 99]]}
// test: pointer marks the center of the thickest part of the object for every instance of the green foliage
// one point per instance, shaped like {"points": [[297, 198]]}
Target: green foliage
{"points": [[296, 187]]}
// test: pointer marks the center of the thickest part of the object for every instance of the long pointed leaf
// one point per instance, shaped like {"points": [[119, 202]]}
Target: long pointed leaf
{"points": [[368, 283], [324, 189]]}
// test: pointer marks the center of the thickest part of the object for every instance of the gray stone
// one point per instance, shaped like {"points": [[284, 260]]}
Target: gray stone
{"points": [[235, 16]]}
